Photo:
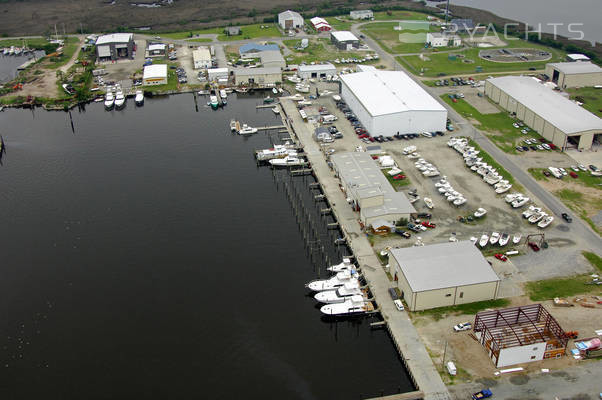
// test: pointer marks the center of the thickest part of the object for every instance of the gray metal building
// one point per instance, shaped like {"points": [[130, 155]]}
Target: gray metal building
{"points": [[368, 189], [115, 46], [272, 59], [574, 74], [443, 274], [344, 40], [257, 76], [544, 110]]}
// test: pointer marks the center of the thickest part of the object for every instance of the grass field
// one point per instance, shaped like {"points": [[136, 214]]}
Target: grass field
{"points": [[498, 127], [318, 50], [201, 40], [340, 23], [397, 184], [247, 32], [463, 309], [440, 64], [398, 15], [590, 97], [389, 39]]}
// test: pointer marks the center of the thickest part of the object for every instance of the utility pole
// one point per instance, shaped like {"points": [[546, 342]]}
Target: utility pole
{"points": [[444, 352], [446, 13]]}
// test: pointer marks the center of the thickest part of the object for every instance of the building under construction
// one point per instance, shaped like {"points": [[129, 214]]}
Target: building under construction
{"points": [[520, 334]]}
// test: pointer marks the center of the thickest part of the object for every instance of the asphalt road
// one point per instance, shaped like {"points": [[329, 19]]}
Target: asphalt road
{"points": [[578, 228]]}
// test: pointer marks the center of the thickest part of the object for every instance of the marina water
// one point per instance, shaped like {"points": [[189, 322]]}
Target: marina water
{"points": [[145, 255]]}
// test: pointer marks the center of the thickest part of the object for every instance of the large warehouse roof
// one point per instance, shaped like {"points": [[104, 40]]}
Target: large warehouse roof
{"points": [[582, 67], [362, 175], [115, 38], [549, 105], [388, 92], [443, 265], [256, 71], [343, 36], [317, 68], [155, 71]]}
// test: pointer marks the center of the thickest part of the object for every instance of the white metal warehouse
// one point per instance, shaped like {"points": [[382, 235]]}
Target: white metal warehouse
{"points": [[574, 74], [443, 274], [544, 110], [390, 102], [369, 190]]}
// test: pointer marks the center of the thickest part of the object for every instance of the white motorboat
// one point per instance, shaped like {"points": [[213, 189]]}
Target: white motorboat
{"points": [[213, 101], [459, 201], [428, 202], [484, 240], [296, 97], [233, 125], [545, 222], [517, 237], [394, 171], [294, 79], [289, 160], [431, 172], [511, 197], [474, 239], [119, 99], [530, 211], [332, 283], [480, 212], [274, 90], [139, 99], [409, 150], [339, 295], [352, 305], [276, 110], [109, 100], [278, 151], [247, 130], [345, 265], [504, 239], [535, 218], [520, 202], [495, 237], [503, 188], [223, 94], [302, 88], [414, 155]]}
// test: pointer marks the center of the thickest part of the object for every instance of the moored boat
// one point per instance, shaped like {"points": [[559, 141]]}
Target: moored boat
{"points": [[289, 160], [119, 100], [345, 265], [353, 305], [339, 295], [139, 99], [109, 100], [332, 283], [247, 130]]}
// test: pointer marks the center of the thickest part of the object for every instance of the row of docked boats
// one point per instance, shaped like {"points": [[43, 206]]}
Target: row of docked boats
{"points": [[15, 51], [343, 293], [496, 238], [281, 156], [118, 99]]}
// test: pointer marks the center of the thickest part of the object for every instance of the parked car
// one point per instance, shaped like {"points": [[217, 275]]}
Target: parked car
{"points": [[403, 233], [465, 326], [398, 305], [428, 224], [393, 293], [424, 215], [573, 174], [593, 168], [567, 217], [399, 177], [534, 246]]}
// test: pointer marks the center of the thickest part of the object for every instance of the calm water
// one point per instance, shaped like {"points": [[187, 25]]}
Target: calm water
{"points": [[546, 12], [9, 65], [146, 256]]}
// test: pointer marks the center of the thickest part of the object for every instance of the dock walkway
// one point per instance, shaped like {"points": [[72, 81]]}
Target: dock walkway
{"points": [[411, 349]]}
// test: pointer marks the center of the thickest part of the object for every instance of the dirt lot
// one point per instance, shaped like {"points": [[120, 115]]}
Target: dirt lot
{"points": [[470, 357]]}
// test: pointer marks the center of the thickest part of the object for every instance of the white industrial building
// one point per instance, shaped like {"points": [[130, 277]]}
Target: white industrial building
{"points": [[361, 14], [574, 74], [201, 58], [390, 102], [316, 71], [344, 40], [217, 74], [577, 57], [156, 49], [115, 46], [519, 335], [544, 110], [369, 190], [443, 274], [440, 39], [290, 19], [155, 74], [258, 76]]}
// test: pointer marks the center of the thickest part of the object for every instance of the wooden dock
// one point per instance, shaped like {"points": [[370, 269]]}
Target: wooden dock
{"points": [[269, 128]]}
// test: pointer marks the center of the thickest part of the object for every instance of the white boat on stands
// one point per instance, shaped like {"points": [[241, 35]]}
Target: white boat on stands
{"points": [[223, 94], [428, 202], [537, 217], [119, 100], [302, 88], [516, 239], [480, 212], [504, 239], [333, 283], [139, 99], [495, 237], [109, 100], [289, 160], [459, 201], [530, 211], [345, 265], [545, 222], [247, 130], [339, 295], [352, 305], [519, 202], [484, 240]]}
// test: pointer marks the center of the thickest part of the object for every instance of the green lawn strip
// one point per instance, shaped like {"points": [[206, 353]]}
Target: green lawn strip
{"points": [[399, 15], [574, 200], [202, 40], [462, 309], [489, 160], [594, 259], [590, 97], [340, 23], [190, 34], [583, 178], [252, 32], [389, 39], [560, 287], [498, 126], [441, 64], [397, 184]]}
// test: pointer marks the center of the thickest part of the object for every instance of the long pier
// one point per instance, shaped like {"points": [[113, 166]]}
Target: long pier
{"points": [[411, 349]]}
